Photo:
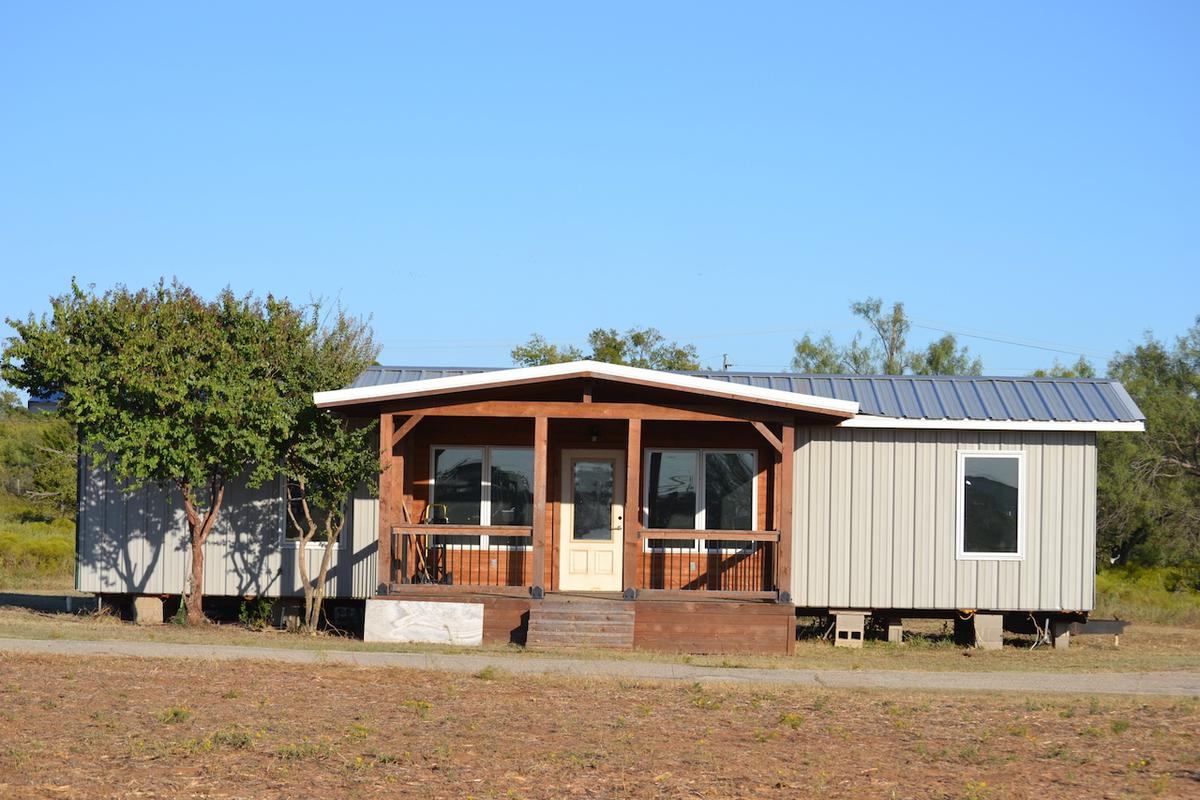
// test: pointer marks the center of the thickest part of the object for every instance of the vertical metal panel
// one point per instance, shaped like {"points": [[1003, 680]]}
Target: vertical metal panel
{"points": [[817, 564], [894, 493], [135, 542], [860, 497], [882, 510], [945, 575], [801, 522], [1029, 592], [1088, 567], [924, 577], [1074, 463], [841, 476], [903, 551], [1052, 531]]}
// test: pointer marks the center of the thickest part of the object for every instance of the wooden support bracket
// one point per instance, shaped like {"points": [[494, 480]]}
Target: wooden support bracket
{"points": [[767, 434]]}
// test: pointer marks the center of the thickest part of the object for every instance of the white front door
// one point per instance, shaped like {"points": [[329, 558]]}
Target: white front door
{"points": [[590, 530]]}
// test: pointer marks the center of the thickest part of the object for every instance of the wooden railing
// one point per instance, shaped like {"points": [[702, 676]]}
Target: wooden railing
{"points": [[698, 561], [457, 555]]}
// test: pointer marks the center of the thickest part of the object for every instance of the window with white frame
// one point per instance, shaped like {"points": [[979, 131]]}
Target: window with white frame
{"points": [[700, 490], [477, 485], [991, 505]]}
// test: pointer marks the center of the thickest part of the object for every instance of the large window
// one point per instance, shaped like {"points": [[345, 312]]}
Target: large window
{"points": [[700, 490], [459, 494], [991, 486]]}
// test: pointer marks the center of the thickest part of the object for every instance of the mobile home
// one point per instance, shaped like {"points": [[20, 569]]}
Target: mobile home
{"points": [[589, 503]]}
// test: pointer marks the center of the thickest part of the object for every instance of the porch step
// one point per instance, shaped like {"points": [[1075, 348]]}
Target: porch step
{"points": [[581, 622]]}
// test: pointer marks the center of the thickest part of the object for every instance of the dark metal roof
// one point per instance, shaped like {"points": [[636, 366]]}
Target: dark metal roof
{"points": [[901, 396]]}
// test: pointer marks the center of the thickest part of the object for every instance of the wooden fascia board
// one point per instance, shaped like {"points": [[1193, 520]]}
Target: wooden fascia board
{"points": [[573, 410], [716, 391]]}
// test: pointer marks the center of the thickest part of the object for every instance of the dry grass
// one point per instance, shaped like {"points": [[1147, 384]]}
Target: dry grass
{"points": [[1144, 647], [133, 728]]}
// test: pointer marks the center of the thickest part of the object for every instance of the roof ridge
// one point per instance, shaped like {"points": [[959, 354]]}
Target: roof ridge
{"points": [[767, 374]]}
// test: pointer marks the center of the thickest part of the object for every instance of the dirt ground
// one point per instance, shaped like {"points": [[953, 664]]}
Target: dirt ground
{"points": [[123, 728]]}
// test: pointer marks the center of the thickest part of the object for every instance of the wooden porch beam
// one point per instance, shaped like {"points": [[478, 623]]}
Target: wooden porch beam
{"points": [[767, 434], [406, 428], [537, 580], [688, 534], [783, 553], [631, 517], [386, 423], [570, 410]]}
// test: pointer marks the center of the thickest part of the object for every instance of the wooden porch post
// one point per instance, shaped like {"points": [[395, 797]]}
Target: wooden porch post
{"points": [[783, 553], [537, 580], [631, 522], [387, 424]]}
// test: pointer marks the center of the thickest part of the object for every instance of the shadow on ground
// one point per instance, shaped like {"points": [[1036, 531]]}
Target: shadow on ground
{"points": [[50, 603]]}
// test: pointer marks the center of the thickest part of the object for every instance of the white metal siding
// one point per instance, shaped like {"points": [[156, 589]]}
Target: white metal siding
{"points": [[136, 542], [875, 522]]}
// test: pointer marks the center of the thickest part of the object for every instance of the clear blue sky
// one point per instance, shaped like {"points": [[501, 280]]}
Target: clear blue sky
{"points": [[732, 174]]}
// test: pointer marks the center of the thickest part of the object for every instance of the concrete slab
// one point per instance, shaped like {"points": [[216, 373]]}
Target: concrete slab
{"points": [[148, 610], [989, 631], [895, 631], [422, 621]]}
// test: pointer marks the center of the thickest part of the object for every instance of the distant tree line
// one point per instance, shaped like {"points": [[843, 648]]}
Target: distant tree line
{"points": [[38, 458]]}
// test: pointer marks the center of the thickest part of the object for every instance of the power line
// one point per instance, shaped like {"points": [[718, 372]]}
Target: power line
{"points": [[1002, 339]]}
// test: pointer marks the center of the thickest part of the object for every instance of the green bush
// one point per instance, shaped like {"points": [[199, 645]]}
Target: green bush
{"points": [[255, 613], [1165, 595]]}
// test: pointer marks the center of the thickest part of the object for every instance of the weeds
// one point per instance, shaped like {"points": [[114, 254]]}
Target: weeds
{"points": [[1120, 725], [488, 673], [303, 751], [237, 740], [791, 719], [976, 790], [419, 707], [174, 714]]}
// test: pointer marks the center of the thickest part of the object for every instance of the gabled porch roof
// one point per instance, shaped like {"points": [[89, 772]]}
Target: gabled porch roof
{"points": [[687, 384]]}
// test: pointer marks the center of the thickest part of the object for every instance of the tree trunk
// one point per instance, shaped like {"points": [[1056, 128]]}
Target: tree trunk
{"points": [[315, 598], [198, 530]]}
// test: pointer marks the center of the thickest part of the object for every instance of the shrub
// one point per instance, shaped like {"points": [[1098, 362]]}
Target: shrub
{"points": [[255, 613]]}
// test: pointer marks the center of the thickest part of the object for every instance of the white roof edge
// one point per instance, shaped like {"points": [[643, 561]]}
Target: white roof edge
{"points": [[668, 380], [864, 421]]}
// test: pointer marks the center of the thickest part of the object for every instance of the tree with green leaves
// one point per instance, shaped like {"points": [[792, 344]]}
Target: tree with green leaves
{"points": [[885, 351], [1148, 494], [38, 457], [169, 388], [1080, 369], [326, 456], [638, 347], [944, 357]]}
